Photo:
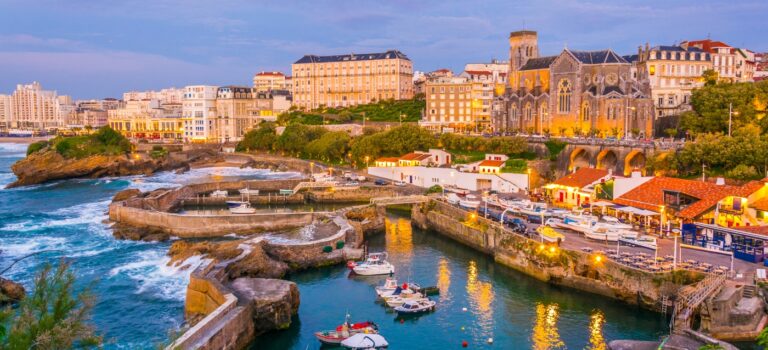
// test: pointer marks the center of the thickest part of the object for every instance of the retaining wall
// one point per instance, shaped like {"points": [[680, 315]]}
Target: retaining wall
{"points": [[574, 269]]}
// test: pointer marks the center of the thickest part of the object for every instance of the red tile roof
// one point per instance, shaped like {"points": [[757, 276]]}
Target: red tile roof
{"points": [[650, 195], [582, 177], [388, 159], [492, 163], [478, 72], [415, 156], [708, 45], [270, 73], [760, 230]]}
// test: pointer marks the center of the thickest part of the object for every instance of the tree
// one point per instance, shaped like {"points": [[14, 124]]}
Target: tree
{"points": [[635, 132], [331, 147], [547, 132], [711, 106], [261, 138], [576, 131], [710, 77], [562, 131], [615, 132], [51, 317], [671, 132]]}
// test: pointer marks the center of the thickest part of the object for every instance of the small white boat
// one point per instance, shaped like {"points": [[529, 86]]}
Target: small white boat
{"points": [[344, 331], [399, 297], [469, 201], [390, 285], [533, 208], [249, 192], [638, 240], [577, 222], [219, 194], [374, 264], [244, 208], [362, 341], [452, 198], [614, 222], [416, 306], [602, 232]]}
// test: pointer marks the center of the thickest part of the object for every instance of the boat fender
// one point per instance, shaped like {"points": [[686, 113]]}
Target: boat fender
{"points": [[464, 309], [490, 340], [464, 344]]}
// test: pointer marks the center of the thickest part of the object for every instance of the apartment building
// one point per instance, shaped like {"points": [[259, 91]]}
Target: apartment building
{"points": [[32, 108], [457, 104], [352, 79], [148, 119], [674, 71], [731, 64], [268, 81], [5, 112], [169, 95], [199, 112], [236, 113]]}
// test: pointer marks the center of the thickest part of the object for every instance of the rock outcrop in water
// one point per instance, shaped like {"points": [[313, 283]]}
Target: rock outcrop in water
{"points": [[49, 165], [10, 291], [274, 301]]}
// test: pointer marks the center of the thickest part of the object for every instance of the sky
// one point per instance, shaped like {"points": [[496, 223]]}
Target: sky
{"points": [[101, 48]]}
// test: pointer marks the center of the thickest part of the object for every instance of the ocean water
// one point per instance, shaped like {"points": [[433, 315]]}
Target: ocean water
{"points": [[139, 299], [514, 310]]}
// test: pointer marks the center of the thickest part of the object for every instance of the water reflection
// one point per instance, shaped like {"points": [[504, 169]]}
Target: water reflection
{"points": [[444, 279], [545, 334], [399, 238], [596, 339], [481, 299]]}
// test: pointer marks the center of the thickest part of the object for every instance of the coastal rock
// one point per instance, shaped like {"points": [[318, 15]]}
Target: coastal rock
{"points": [[121, 231], [274, 301], [126, 194], [257, 264], [242, 258], [10, 291]]}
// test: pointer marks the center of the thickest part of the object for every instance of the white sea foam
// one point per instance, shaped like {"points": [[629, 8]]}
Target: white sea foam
{"points": [[83, 214], [153, 275], [20, 149], [17, 247]]}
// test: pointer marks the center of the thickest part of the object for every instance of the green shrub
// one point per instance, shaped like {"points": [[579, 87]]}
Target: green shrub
{"points": [[518, 166], [339, 244], [555, 147], [158, 152], [434, 189], [36, 147], [327, 249]]}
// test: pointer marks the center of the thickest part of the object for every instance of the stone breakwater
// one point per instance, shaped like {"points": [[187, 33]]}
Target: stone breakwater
{"points": [[568, 268], [239, 296]]}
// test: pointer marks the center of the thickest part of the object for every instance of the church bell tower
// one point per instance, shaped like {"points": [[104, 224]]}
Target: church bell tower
{"points": [[523, 45]]}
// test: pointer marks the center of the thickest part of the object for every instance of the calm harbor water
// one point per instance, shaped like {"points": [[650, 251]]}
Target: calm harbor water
{"points": [[518, 312], [138, 298]]}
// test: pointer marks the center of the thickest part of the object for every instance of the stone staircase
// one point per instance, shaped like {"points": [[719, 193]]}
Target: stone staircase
{"points": [[749, 291]]}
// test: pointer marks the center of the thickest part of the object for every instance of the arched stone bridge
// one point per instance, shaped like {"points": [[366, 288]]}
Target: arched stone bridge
{"points": [[621, 157]]}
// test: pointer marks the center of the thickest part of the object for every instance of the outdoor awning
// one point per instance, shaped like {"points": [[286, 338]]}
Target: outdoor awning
{"points": [[603, 204], [636, 211]]}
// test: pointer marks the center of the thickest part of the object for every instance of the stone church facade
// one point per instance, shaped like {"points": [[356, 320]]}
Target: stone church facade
{"points": [[582, 93]]}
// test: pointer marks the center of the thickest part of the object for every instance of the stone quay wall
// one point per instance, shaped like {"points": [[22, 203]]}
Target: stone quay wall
{"points": [[199, 226], [310, 254], [352, 194], [166, 200], [226, 325], [569, 268]]}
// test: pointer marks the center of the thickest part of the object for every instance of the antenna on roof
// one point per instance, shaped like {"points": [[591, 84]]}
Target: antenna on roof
{"points": [[523, 23]]}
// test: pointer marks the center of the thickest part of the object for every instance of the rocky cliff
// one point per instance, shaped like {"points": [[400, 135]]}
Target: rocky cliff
{"points": [[49, 165], [10, 291]]}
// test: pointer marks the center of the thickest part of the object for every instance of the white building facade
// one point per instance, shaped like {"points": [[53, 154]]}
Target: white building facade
{"points": [[448, 177], [199, 112]]}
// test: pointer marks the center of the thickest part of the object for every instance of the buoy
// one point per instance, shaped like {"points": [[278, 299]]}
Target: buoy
{"points": [[464, 309], [464, 344], [402, 320], [490, 340], [462, 328]]}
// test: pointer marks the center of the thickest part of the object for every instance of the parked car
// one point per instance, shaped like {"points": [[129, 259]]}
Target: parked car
{"points": [[352, 183], [517, 225], [380, 182], [399, 183]]}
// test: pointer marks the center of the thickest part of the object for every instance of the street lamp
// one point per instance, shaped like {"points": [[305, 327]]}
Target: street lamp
{"points": [[366, 160], [529, 181], [730, 117]]}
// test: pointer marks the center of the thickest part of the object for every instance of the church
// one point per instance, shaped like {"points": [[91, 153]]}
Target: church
{"points": [[575, 93]]}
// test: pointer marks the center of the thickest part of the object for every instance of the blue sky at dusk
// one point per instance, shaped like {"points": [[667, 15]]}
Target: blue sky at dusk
{"points": [[94, 49]]}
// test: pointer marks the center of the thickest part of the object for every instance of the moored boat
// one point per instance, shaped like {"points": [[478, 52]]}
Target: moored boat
{"points": [[469, 201], [362, 341], [249, 192], [452, 198], [548, 234], [233, 204], [400, 296], [639, 240], [390, 285], [416, 306], [244, 208], [374, 264], [219, 194], [346, 330]]}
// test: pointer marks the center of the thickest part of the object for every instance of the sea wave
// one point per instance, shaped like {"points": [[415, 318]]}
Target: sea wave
{"points": [[154, 275], [17, 247], [93, 213], [13, 147]]}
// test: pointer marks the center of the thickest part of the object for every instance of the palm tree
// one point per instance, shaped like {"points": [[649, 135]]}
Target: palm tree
{"points": [[562, 131]]}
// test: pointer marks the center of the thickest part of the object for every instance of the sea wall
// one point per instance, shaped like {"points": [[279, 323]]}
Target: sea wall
{"points": [[310, 254], [199, 226], [569, 268], [350, 194]]}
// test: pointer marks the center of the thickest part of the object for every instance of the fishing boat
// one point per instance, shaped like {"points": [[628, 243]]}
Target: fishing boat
{"points": [[219, 194], [600, 232], [346, 330], [452, 198], [400, 296], [390, 285], [548, 234], [374, 264], [469, 201], [614, 222], [249, 192], [244, 208], [361, 341], [532, 208], [416, 306], [577, 222], [638, 240]]}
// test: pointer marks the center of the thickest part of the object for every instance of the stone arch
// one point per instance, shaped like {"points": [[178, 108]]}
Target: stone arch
{"points": [[580, 158], [607, 159], [634, 160]]}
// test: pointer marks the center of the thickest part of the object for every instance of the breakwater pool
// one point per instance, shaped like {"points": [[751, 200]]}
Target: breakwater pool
{"points": [[193, 209], [139, 299], [517, 311]]}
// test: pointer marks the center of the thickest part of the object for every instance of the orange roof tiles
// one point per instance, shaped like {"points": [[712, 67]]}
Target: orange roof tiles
{"points": [[582, 177], [388, 159], [650, 195], [415, 156], [492, 163], [478, 72]]}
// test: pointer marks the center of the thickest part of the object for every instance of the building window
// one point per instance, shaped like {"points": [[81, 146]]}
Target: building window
{"points": [[564, 96], [528, 112], [585, 111]]}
